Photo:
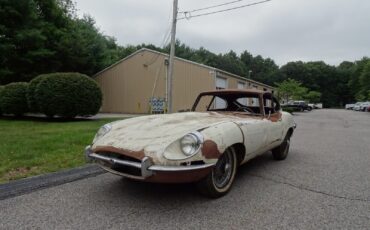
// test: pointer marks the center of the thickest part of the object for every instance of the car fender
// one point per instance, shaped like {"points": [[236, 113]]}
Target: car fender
{"points": [[218, 138], [288, 123]]}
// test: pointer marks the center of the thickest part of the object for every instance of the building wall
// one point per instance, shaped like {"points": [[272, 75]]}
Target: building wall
{"points": [[128, 85], [232, 82], [188, 82]]}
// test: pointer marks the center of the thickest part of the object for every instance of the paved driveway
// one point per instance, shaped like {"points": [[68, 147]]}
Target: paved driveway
{"points": [[323, 184]]}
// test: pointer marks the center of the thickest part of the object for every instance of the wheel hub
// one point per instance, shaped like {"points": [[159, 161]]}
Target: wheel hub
{"points": [[223, 171]]}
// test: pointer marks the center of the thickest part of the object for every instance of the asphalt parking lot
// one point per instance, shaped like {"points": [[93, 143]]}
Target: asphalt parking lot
{"points": [[323, 184]]}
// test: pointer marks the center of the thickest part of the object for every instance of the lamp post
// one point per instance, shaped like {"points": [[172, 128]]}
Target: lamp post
{"points": [[249, 74]]}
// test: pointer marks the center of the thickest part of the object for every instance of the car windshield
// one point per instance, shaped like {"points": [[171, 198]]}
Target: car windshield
{"points": [[229, 102]]}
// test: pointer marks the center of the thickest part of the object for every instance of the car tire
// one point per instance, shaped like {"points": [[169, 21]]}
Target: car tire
{"points": [[309, 108], [301, 109], [219, 181], [281, 152]]}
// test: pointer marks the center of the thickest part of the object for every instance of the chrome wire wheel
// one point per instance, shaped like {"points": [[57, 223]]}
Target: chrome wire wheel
{"points": [[220, 180], [223, 171]]}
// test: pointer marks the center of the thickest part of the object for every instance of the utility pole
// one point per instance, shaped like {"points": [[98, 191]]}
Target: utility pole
{"points": [[171, 58]]}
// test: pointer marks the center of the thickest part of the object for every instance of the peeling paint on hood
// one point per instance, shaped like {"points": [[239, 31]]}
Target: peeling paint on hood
{"points": [[155, 132]]}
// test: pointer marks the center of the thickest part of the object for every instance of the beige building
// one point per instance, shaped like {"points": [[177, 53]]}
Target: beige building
{"points": [[129, 84]]}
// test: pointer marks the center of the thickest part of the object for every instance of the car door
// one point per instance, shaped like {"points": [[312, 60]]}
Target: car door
{"points": [[275, 126], [254, 131], [255, 137]]}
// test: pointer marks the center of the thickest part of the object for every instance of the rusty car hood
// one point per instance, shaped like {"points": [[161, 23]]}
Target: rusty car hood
{"points": [[152, 134]]}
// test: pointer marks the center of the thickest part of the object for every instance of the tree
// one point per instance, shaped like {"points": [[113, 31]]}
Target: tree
{"points": [[364, 80], [313, 97], [41, 36], [354, 83], [21, 40], [231, 62], [263, 70], [290, 89]]}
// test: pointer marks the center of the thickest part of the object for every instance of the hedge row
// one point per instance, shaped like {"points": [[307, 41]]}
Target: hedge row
{"points": [[13, 98], [1, 89], [58, 94]]}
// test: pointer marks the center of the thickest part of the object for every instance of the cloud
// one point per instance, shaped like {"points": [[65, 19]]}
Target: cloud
{"points": [[285, 30]]}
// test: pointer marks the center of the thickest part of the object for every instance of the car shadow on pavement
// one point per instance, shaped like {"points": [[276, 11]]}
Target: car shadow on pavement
{"points": [[257, 163], [136, 190]]}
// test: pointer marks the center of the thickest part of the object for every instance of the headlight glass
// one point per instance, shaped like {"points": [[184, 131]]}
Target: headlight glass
{"points": [[102, 131], [191, 143]]}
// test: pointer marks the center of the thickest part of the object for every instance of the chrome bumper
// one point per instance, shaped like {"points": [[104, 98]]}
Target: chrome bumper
{"points": [[146, 165]]}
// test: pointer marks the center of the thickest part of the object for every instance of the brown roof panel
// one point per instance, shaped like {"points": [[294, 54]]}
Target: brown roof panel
{"points": [[233, 91]]}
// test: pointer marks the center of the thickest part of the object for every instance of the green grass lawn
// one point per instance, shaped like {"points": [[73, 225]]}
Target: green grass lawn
{"points": [[31, 147]]}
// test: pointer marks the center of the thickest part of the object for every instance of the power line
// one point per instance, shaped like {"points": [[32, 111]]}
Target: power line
{"points": [[209, 7], [165, 40], [219, 11]]}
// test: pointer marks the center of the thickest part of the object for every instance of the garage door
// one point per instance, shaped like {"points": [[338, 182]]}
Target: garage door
{"points": [[221, 83], [243, 101]]}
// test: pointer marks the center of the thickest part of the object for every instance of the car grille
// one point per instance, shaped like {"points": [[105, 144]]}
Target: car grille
{"points": [[120, 168]]}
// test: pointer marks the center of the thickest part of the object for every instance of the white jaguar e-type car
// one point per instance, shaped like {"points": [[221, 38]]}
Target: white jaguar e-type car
{"points": [[225, 129]]}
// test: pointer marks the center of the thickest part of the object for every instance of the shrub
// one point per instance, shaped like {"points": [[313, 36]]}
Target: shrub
{"points": [[13, 98], [32, 102], [68, 95], [289, 110], [1, 89]]}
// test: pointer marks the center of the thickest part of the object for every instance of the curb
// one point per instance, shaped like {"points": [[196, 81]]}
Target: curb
{"points": [[28, 185]]}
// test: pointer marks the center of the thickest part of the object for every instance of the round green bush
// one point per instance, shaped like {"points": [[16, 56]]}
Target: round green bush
{"points": [[13, 98], [68, 95], [33, 104]]}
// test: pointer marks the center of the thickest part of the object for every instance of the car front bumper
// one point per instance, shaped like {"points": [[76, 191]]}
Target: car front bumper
{"points": [[150, 172]]}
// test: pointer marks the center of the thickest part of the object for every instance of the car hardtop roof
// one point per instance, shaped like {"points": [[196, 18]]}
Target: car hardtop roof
{"points": [[234, 91]]}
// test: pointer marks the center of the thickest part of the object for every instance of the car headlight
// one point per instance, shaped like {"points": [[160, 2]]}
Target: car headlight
{"points": [[102, 131], [191, 143]]}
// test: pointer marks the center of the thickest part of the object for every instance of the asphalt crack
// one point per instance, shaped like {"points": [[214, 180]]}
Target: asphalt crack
{"points": [[300, 187]]}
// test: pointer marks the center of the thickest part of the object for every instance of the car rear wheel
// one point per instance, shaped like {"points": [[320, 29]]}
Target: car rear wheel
{"points": [[220, 180], [281, 152]]}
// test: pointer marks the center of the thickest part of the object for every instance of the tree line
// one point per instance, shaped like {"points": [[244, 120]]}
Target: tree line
{"points": [[45, 36]]}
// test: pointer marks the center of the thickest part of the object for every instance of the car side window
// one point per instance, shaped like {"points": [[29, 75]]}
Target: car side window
{"points": [[246, 103], [219, 103]]}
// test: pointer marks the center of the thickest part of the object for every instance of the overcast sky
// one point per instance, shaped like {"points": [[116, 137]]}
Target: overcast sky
{"points": [[284, 30]]}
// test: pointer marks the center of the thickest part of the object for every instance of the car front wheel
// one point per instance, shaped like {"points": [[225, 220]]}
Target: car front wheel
{"points": [[281, 152], [220, 180]]}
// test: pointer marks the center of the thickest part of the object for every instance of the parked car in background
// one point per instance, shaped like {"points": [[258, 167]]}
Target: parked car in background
{"points": [[298, 106], [364, 106], [357, 106], [225, 129], [316, 105], [349, 106]]}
